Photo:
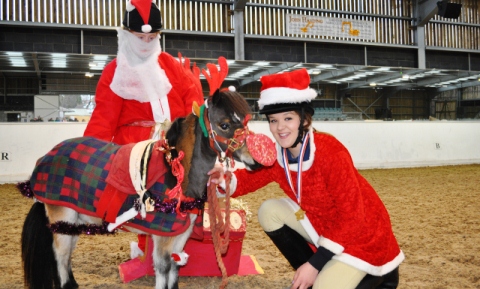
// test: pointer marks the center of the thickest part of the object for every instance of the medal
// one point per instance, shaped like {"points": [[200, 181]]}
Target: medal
{"points": [[298, 192], [300, 214]]}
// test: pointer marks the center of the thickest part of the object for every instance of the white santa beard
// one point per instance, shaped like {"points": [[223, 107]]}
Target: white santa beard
{"points": [[138, 76]]}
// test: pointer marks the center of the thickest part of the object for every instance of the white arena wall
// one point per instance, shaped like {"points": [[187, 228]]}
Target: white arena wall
{"points": [[372, 144]]}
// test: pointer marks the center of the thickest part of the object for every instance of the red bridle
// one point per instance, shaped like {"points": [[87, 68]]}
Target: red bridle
{"points": [[233, 144]]}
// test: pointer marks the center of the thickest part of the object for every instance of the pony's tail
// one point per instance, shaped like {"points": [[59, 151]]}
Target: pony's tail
{"points": [[39, 264]]}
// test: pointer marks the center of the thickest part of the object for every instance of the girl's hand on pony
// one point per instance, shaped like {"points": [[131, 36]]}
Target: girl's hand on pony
{"points": [[216, 174], [304, 276]]}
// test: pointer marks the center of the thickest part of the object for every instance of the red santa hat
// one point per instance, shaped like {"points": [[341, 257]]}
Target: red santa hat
{"points": [[286, 91], [142, 16]]}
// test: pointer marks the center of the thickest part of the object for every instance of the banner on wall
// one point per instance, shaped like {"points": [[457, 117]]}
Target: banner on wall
{"points": [[328, 26]]}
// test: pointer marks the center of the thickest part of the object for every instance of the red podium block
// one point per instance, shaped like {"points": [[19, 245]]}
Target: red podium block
{"points": [[138, 267], [203, 261]]}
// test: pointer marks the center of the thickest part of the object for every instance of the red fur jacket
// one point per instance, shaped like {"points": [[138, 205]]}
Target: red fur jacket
{"points": [[343, 208]]}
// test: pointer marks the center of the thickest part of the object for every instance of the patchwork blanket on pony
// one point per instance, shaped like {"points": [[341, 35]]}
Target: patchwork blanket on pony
{"points": [[92, 177]]}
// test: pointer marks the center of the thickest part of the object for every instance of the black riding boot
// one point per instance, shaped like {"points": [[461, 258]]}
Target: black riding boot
{"points": [[388, 281], [292, 245]]}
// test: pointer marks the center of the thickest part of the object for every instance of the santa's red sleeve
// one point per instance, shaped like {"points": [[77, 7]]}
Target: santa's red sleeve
{"points": [[185, 84], [108, 105]]}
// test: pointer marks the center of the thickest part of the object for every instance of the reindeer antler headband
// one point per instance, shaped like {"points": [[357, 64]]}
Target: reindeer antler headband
{"points": [[216, 77]]}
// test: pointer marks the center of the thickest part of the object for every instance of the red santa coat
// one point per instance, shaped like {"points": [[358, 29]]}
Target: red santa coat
{"points": [[119, 120], [341, 205]]}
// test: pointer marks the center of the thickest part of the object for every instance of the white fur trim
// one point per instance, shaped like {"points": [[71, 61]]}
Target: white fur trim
{"points": [[130, 214], [277, 95], [330, 245], [305, 222], [129, 7], [146, 28], [182, 258], [369, 268], [232, 88], [338, 249], [135, 251]]}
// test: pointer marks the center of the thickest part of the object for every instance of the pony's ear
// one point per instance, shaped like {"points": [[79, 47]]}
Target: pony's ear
{"points": [[196, 108], [215, 97]]}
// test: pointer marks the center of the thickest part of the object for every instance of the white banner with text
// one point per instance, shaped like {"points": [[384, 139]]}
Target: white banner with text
{"points": [[328, 26]]}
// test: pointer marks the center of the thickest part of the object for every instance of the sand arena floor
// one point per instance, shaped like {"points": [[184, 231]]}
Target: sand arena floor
{"points": [[435, 214]]}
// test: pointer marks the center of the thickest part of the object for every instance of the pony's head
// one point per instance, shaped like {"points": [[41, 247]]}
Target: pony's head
{"points": [[216, 129], [224, 121]]}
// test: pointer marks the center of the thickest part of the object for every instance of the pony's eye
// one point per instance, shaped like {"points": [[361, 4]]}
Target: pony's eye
{"points": [[224, 126]]}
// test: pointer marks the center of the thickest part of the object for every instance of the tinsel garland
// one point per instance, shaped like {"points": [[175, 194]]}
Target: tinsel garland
{"points": [[66, 228], [168, 207], [25, 189]]}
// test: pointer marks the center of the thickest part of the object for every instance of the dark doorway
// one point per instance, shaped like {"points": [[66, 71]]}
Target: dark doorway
{"points": [[13, 117]]}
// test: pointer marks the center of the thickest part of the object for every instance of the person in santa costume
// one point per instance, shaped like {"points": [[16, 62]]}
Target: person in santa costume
{"points": [[329, 206], [143, 89]]}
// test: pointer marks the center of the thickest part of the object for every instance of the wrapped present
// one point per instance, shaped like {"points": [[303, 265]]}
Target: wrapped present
{"points": [[202, 260]]}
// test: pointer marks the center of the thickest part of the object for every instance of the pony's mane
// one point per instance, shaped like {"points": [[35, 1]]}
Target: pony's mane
{"points": [[183, 127], [232, 102]]}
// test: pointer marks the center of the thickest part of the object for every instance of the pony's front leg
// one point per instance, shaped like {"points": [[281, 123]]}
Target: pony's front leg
{"points": [[166, 271], [178, 245], [162, 260]]}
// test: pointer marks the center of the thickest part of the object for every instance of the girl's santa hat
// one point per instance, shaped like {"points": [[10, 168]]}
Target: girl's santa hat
{"points": [[142, 16], [286, 91]]}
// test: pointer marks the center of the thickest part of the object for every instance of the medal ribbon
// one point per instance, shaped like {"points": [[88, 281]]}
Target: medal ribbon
{"points": [[298, 191]]}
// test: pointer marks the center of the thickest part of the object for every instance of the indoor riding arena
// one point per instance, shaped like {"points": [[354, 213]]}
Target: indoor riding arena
{"points": [[434, 210], [434, 213], [397, 83]]}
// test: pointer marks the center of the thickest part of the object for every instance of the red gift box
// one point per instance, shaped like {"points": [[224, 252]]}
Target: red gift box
{"points": [[203, 261]]}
